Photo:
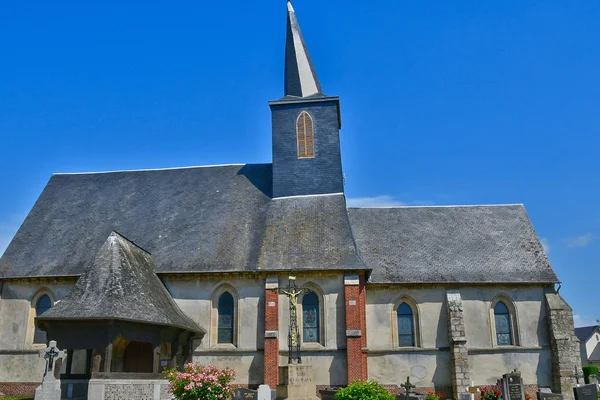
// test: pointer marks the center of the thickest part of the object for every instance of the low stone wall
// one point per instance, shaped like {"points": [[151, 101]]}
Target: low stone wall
{"points": [[130, 389]]}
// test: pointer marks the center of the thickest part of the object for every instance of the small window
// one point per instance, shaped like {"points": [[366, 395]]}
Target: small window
{"points": [[43, 304], [503, 329], [225, 327], [310, 318], [406, 326], [306, 135]]}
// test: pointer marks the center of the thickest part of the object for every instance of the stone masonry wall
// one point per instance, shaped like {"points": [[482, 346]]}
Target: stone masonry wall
{"points": [[459, 353], [565, 348]]}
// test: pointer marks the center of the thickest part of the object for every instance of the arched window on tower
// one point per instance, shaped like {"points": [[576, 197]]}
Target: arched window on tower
{"points": [[406, 326], [43, 304], [305, 133], [225, 324], [504, 336], [310, 318]]}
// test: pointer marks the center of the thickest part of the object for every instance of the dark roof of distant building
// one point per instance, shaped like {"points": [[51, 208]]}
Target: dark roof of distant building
{"points": [[120, 284], [223, 219], [584, 333]]}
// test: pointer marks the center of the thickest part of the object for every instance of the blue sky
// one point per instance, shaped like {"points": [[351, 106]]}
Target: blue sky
{"points": [[464, 102]]}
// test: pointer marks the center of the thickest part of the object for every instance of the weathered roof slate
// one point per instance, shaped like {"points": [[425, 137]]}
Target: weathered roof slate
{"points": [[223, 219], [450, 244], [205, 219], [120, 284]]}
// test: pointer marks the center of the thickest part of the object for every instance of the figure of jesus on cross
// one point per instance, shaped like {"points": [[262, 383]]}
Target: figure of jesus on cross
{"points": [[292, 292], [51, 354]]}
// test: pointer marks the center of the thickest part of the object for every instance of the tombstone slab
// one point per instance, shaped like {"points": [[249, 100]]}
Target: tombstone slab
{"points": [[296, 383], [245, 394], [586, 392], [265, 393], [545, 395], [512, 386]]}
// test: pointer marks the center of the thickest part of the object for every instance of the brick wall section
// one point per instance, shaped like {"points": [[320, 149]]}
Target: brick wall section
{"points": [[18, 389], [563, 343], [356, 332], [271, 352], [459, 352]]}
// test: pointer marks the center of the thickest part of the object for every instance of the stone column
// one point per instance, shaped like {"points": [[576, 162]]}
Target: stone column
{"points": [[459, 353], [563, 342], [271, 352], [356, 332]]}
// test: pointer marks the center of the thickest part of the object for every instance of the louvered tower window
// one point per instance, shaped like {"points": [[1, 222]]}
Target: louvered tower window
{"points": [[406, 326], [225, 327], [502, 320], [306, 135]]}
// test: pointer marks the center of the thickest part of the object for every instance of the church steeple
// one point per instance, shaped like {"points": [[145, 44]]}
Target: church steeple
{"points": [[306, 125], [300, 76]]}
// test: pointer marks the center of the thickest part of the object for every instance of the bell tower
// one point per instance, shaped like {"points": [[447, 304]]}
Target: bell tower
{"points": [[306, 125]]}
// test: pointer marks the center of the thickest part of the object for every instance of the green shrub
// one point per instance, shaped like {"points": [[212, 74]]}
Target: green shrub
{"points": [[368, 390], [587, 371]]}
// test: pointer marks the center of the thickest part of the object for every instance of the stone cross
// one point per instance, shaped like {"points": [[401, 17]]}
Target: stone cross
{"points": [[292, 292], [407, 385], [578, 375], [51, 354]]}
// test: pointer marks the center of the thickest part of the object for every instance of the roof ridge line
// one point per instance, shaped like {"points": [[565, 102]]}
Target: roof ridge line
{"points": [[151, 169], [308, 195], [444, 206]]}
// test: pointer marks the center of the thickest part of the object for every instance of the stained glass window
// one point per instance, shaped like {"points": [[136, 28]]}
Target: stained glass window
{"points": [[406, 327], [306, 135], [502, 318], [225, 323], [310, 318], [43, 304]]}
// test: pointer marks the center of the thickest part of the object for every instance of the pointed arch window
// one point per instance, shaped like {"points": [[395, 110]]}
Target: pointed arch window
{"points": [[305, 133], [43, 304], [226, 317], [310, 318], [504, 336], [406, 326]]}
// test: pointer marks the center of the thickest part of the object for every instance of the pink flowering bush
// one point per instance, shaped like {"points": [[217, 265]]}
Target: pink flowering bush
{"points": [[198, 382]]}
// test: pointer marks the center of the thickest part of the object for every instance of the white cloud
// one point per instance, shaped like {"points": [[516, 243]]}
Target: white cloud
{"points": [[583, 321], [378, 201], [546, 245], [580, 241]]}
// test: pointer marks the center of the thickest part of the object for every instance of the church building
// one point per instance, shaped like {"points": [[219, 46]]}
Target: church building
{"points": [[134, 271]]}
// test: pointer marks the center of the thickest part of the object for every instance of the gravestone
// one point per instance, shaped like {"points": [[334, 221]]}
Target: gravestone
{"points": [[296, 383], [246, 394], [586, 392], [512, 386], [50, 387], [265, 393], [548, 395]]}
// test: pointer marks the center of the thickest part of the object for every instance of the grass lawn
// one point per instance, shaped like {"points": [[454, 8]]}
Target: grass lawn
{"points": [[16, 398]]}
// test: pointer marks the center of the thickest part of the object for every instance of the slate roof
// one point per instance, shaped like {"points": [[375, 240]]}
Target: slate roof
{"points": [[450, 244], [202, 219], [585, 333], [300, 76], [120, 283]]}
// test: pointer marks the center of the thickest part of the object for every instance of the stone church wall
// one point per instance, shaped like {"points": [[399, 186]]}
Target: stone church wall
{"points": [[19, 361], [198, 298], [429, 363]]}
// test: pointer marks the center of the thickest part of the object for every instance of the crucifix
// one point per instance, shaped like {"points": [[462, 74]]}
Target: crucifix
{"points": [[407, 385], [51, 354], [292, 292]]}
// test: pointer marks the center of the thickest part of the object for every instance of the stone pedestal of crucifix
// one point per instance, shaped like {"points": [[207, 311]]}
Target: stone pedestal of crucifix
{"points": [[296, 380], [50, 387]]}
